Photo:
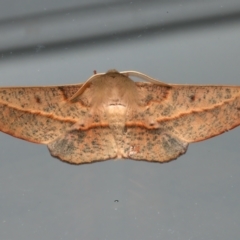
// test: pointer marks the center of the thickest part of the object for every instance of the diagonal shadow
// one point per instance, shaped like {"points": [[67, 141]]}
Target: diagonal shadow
{"points": [[116, 36]]}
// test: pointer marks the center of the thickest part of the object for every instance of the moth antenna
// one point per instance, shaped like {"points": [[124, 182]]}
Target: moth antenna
{"points": [[144, 77], [83, 87]]}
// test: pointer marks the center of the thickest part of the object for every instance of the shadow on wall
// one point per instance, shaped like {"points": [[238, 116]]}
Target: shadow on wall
{"points": [[84, 26]]}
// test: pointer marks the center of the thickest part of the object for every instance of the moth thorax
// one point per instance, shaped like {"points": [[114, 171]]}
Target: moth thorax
{"points": [[116, 116]]}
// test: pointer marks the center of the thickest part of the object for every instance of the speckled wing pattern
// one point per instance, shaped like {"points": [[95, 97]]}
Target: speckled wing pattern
{"points": [[115, 117], [44, 115], [185, 114], [38, 114]]}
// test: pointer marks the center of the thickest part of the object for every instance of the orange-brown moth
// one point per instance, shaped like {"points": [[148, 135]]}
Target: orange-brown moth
{"points": [[111, 116]]}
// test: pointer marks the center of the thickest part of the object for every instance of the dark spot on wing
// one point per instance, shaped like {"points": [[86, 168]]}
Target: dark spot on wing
{"points": [[37, 98], [192, 98]]}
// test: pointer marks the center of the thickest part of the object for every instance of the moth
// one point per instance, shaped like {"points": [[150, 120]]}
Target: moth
{"points": [[111, 116]]}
